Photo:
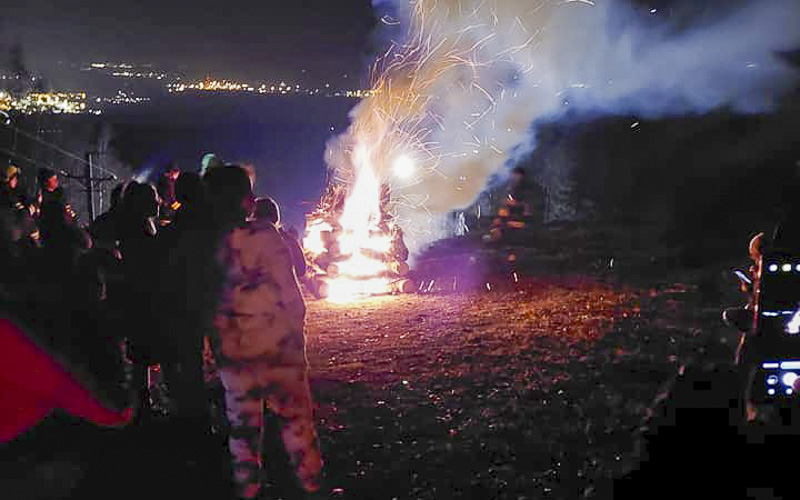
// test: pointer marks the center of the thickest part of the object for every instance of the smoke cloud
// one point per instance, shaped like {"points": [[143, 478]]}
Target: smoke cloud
{"points": [[460, 93]]}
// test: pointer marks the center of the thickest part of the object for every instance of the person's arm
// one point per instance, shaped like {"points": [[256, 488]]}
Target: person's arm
{"points": [[298, 259], [278, 259]]}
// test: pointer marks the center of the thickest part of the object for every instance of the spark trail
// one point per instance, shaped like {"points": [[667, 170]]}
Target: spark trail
{"points": [[456, 97]]}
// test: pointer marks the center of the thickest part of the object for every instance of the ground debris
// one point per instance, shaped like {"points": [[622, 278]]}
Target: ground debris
{"points": [[493, 395]]}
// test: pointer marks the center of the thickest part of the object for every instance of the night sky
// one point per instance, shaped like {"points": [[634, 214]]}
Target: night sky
{"points": [[248, 39]]}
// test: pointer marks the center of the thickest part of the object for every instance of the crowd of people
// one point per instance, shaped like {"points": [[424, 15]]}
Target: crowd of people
{"points": [[195, 273]]}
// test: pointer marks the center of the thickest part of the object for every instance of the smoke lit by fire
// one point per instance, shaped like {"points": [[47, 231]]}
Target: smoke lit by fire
{"points": [[454, 100]]}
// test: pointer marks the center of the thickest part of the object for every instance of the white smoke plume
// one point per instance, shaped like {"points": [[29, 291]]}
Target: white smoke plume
{"points": [[457, 98]]}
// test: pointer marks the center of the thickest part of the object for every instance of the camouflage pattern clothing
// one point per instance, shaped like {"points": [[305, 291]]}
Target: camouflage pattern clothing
{"points": [[259, 348]]}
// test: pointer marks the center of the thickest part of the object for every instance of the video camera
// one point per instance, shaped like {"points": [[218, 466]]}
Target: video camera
{"points": [[773, 342]]}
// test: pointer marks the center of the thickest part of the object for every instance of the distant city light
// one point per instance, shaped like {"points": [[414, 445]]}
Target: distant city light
{"points": [[283, 88], [45, 102]]}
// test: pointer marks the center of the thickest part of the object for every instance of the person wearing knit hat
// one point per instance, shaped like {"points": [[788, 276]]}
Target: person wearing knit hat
{"points": [[209, 161], [11, 172], [12, 195]]}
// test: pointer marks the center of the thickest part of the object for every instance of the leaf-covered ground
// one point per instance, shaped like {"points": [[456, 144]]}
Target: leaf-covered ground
{"points": [[518, 394], [532, 390]]}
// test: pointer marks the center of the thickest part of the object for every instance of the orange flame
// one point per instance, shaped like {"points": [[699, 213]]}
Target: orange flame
{"points": [[360, 272]]}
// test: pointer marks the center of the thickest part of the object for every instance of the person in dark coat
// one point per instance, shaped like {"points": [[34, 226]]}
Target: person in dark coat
{"points": [[50, 189], [60, 275], [186, 259], [104, 227], [12, 193], [134, 299], [525, 197], [166, 190], [19, 235]]}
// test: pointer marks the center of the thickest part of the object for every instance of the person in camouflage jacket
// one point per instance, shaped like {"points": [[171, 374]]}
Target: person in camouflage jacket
{"points": [[259, 345]]}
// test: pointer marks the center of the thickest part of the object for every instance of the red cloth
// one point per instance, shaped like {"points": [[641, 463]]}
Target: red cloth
{"points": [[33, 384]]}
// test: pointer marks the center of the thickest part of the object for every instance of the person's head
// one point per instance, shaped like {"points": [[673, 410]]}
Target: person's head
{"points": [[140, 200], [209, 162], [188, 188], [173, 171], [11, 176], [48, 180], [267, 210], [229, 193]]}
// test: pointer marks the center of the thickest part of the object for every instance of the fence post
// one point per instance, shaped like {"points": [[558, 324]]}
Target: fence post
{"points": [[89, 186]]}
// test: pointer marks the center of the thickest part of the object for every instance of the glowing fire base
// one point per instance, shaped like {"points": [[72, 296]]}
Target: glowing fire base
{"points": [[354, 247]]}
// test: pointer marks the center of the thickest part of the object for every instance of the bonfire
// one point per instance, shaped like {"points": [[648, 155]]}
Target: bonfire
{"points": [[354, 247]]}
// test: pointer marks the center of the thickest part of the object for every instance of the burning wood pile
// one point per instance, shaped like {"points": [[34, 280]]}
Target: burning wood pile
{"points": [[353, 246]]}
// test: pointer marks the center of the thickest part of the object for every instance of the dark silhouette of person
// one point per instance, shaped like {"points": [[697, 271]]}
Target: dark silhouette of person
{"points": [[50, 188], [191, 203], [135, 301], [166, 188], [68, 304], [525, 197], [63, 242], [12, 192], [16, 212], [137, 229], [186, 275], [104, 228]]}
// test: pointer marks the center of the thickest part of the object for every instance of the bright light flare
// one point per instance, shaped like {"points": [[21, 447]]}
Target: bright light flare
{"points": [[404, 167]]}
